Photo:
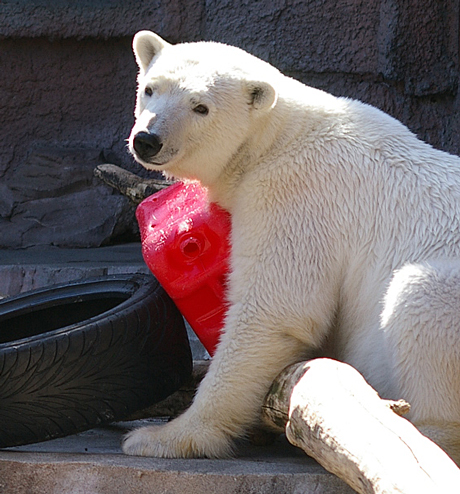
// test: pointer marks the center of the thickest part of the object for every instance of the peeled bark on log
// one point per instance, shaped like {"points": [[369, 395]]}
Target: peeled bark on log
{"points": [[329, 411], [129, 184]]}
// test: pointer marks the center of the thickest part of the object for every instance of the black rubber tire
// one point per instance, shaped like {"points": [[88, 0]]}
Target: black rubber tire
{"points": [[79, 355]]}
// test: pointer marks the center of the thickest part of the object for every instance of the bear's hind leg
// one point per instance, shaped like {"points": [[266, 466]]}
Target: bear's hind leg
{"points": [[421, 323]]}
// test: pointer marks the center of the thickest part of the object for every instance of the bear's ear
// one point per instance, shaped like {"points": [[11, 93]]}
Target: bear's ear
{"points": [[262, 95], [145, 46]]}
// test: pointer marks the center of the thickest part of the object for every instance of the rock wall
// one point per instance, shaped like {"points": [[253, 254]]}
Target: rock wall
{"points": [[67, 88]]}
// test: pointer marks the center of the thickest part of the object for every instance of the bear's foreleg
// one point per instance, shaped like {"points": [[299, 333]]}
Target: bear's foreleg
{"points": [[229, 398]]}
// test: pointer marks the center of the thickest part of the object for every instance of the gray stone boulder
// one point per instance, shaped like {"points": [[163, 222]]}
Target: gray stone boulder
{"points": [[53, 198]]}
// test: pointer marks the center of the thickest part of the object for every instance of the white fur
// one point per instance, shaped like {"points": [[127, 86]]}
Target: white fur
{"points": [[345, 231]]}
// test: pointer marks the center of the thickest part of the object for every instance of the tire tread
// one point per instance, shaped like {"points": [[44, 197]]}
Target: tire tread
{"points": [[104, 370]]}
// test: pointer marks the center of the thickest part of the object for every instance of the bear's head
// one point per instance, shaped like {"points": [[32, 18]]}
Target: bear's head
{"points": [[198, 104]]}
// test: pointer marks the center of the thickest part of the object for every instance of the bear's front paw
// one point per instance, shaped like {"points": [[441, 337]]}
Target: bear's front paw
{"points": [[176, 441]]}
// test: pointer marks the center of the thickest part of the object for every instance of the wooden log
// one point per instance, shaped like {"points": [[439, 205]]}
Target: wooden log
{"points": [[329, 411], [129, 184]]}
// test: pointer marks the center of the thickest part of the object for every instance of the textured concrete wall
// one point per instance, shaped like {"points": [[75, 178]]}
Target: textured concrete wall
{"points": [[67, 82]]}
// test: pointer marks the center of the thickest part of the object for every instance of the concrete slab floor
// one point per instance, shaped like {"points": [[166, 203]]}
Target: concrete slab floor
{"points": [[92, 463]]}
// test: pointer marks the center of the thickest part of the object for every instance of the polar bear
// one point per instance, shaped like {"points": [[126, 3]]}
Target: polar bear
{"points": [[345, 234]]}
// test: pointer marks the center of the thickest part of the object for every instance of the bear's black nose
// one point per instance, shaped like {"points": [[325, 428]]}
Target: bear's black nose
{"points": [[147, 145]]}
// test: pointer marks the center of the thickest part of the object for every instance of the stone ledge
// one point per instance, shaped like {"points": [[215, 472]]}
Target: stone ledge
{"points": [[29, 269], [22, 270]]}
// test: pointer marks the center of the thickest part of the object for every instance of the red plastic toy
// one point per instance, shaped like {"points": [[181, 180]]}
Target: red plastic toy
{"points": [[185, 243]]}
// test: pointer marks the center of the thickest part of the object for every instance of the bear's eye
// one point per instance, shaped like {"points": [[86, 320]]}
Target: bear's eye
{"points": [[148, 91], [201, 109]]}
